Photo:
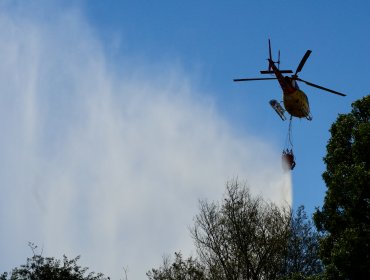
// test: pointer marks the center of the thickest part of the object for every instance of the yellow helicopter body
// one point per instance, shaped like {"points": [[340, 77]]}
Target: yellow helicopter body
{"points": [[295, 100], [296, 104]]}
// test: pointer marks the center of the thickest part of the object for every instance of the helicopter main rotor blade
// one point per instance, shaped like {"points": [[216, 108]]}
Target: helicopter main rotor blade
{"points": [[303, 61], [320, 87], [253, 79]]}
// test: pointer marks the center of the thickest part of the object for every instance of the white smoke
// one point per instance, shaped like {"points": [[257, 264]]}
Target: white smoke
{"points": [[106, 166]]}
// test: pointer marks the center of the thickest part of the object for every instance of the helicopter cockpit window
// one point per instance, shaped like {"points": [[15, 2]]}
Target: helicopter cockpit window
{"points": [[291, 82], [295, 84]]}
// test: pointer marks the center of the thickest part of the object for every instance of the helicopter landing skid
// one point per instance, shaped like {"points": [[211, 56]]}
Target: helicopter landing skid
{"points": [[278, 108]]}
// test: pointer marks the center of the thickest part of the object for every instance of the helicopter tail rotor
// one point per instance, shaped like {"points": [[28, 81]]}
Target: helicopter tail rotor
{"points": [[269, 69]]}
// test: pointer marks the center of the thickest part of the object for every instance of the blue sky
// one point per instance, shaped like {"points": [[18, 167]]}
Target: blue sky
{"points": [[216, 42], [117, 116]]}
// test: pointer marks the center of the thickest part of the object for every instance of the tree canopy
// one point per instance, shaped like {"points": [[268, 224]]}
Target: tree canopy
{"points": [[41, 268], [245, 237], [180, 269], [345, 216], [302, 254]]}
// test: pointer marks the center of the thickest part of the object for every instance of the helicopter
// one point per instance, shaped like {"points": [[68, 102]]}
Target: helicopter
{"points": [[295, 101]]}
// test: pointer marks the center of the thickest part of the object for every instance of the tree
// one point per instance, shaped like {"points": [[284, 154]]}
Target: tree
{"points": [[244, 238], [180, 269], [345, 216], [40, 268], [302, 256]]}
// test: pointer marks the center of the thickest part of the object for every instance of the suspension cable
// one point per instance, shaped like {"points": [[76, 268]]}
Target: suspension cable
{"points": [[290, 131]]}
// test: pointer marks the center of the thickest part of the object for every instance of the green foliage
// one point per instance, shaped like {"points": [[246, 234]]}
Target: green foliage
{"points": [[345, 215], [40, 268], [302, 259]]}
